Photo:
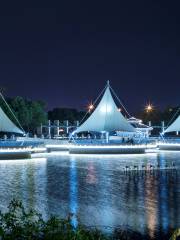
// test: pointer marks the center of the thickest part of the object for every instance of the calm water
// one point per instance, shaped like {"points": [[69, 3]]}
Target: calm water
{"points": [[97, 190]]}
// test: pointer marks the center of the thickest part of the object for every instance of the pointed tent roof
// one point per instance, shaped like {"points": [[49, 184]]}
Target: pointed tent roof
{"points": [[106, 117], [6, 125], [174, 127]]}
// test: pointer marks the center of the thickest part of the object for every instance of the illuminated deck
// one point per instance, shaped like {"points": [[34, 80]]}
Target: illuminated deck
{"points": [[13, 153], [169, 146], [107, 149]]}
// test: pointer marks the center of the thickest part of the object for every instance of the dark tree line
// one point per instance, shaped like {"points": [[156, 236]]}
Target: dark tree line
{"points": [[156, 115], [29, 113], [32, 113]]}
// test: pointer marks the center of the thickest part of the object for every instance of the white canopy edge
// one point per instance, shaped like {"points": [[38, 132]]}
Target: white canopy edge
{"points": [[6, 125], [174, 127]]}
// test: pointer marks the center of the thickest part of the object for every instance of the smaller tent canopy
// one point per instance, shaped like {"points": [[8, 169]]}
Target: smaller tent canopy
{"points": [[174, 127], [6, 125], [106, 117]]}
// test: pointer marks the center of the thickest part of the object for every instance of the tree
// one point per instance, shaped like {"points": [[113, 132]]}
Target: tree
{"points": [[29, 113], [38, 114], [21, 110]]}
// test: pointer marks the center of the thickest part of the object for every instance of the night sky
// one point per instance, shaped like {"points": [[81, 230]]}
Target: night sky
{"points": [[64, 52]]}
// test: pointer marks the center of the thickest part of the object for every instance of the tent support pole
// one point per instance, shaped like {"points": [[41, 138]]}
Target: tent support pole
{"points": [[107, 137]]}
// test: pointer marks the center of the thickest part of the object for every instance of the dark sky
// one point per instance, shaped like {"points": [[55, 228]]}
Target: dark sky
{"points": [[63, 52]]}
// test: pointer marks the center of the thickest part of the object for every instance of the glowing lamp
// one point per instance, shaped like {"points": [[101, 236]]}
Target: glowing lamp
{"points": [[149, 108], [90, 107]]}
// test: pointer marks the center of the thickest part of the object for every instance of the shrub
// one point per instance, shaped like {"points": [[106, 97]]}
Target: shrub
{"points": [[19, 223]]}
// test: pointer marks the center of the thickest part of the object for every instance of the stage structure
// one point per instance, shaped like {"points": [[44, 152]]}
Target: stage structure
{"points": [[56, 128]]}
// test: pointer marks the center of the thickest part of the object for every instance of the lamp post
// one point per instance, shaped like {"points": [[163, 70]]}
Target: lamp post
{"points": [[90, 107], [149, 108]]}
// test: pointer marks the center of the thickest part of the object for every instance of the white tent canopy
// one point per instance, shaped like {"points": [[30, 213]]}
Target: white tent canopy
{"points": [[106, 117], [6, 125], [174, 127]]}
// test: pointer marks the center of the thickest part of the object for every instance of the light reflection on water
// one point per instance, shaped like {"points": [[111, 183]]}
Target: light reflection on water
{"points": [[96, 189], [73, 192]]}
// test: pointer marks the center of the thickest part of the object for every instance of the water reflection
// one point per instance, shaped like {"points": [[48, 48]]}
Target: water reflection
{"points": [[19, 179], [151, 203], [91, 175], [73, 191], [97, 190]]}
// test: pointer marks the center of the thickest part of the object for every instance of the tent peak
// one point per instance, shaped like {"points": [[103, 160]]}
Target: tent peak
{"points": [[106, 117], [108, 84]]}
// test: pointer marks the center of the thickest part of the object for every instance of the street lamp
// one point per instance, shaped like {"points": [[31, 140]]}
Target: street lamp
{"points": [[149, 108], [90, 107]]}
